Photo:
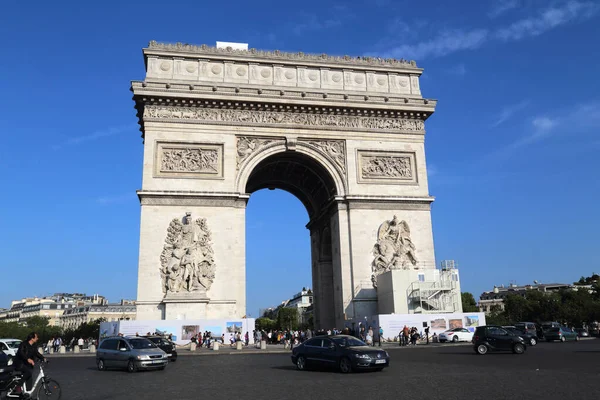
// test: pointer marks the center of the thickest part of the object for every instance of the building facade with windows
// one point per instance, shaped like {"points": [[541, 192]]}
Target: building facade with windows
{"points": [[494, 300], [77, 316]]}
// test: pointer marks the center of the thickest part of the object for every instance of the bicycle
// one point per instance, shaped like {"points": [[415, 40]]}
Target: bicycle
{"points": [[44, 387]]}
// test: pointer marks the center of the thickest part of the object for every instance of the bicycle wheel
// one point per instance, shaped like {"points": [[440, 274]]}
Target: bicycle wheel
{"points": [[49, 390]]}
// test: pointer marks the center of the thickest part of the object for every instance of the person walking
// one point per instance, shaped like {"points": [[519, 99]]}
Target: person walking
{"points": [[380, 335], [427, 335]]}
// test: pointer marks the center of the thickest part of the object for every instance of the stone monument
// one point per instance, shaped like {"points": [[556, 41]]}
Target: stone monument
{"points": [[343, 134]]}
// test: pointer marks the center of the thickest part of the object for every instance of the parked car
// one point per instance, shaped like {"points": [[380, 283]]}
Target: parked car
{"points": [[548, 325], [582, 332], [495, 338], [341, 351], [562, 333], [165, 345], [530, 338], [456, 335], [10, 346], [530, 328], [133, 353]]}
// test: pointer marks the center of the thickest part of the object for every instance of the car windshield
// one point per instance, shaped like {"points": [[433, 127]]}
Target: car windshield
{"points": [[14, 344], [142, 344], [348, 342]]}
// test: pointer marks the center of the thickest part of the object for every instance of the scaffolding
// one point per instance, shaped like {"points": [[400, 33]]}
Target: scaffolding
{"points": [[439, 296]]}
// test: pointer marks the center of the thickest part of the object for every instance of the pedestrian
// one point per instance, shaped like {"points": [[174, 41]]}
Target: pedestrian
{"points": [[380, 335], [427, 334]]}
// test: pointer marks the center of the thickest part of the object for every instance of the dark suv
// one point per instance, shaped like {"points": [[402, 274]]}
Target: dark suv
{"points": [[495, 338], [165, 345]]}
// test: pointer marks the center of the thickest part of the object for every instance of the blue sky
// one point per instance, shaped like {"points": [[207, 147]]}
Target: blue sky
{"points": [[512, 150]]}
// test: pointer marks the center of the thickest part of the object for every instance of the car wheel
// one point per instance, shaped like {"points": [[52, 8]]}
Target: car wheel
{"points": [[482, 349], [455, 339], [131, 366], [101, 366], [563, 339], [532, 341], [301, 363], [518, 348], [345, 365]]}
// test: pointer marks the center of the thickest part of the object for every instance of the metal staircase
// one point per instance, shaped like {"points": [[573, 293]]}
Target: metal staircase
{"points": [[432, 297]]}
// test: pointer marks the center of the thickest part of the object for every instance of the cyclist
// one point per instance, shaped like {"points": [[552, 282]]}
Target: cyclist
{"points": [[24, 360]]}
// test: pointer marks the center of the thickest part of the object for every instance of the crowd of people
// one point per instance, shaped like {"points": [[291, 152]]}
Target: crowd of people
{"points": [[55, 344]]}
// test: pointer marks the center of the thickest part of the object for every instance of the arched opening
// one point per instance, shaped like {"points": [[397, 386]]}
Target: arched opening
{"points": [[310, 182]]}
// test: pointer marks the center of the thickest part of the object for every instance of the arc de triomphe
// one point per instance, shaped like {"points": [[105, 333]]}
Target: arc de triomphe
{"points": [[345, 135]]}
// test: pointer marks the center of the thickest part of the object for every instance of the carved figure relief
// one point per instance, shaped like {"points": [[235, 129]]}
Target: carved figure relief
{"points": [[334, 149], [387, 167], [190, 160], [246, 145], [394, 249], [187, 263], [284, 118]]}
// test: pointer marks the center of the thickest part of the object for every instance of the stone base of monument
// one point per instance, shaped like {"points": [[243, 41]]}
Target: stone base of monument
{"points": [[184, 305], [263, 344], [40, 350], [76, 349], [239, 345], [51, 350], [192, 346], [62, 350], [92, 349], [215, 345]]}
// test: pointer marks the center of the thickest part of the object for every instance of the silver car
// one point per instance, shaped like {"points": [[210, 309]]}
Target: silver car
{"points": [[133, 353]]}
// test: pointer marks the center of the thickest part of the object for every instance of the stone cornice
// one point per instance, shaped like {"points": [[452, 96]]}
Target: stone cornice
{"points": [[280, 56], [292, 95], [186, 198]]}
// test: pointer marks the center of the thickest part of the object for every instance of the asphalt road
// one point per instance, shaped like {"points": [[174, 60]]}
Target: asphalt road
{"points": [[550, 370]]}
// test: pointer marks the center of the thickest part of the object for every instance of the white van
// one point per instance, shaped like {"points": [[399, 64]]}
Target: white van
{"points": [[10, 346]]}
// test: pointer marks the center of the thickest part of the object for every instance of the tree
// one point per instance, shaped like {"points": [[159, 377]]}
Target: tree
{"points": [[265, 324], [287, 319], [468, 302]]}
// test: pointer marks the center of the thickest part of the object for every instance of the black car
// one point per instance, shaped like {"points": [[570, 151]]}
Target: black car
{"points": [[496, 338], [530, 338], [340, 351], [165, 345]]}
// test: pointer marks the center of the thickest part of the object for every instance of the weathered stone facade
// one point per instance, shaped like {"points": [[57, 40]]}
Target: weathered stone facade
{"points": [[345, 135]]}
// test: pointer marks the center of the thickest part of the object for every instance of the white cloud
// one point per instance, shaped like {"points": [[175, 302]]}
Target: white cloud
{"points": [[111, 131], [455, 40], [508, 111], [446, 43], [503, 6], [543, 123], [549, 19]]}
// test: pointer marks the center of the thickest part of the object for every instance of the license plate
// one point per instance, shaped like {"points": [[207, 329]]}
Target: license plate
{"points": [[157, 362], [379, 361], [169, 355]]}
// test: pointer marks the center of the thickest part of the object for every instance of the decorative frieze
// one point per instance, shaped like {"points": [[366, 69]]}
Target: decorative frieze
{"points": [[291, 119], [335, 149], [182, 159], [248, 145], [386, 167]]}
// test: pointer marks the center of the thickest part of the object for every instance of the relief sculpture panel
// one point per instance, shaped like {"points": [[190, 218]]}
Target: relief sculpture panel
{"points": [[187, 262], [335, 149], [247, 145], [394, 248], [180, 160], [386, 167]]}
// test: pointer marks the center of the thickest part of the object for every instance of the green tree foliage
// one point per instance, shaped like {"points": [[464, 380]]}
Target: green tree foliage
{"points": [[287, 318], [265, 324], [468, 302]]}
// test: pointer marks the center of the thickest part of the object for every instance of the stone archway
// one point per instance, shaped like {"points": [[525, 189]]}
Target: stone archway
{"points": [[344, 135]]}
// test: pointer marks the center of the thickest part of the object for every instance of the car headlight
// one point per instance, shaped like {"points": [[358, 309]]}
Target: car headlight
{"points": [[362, 356], [143, 357]]}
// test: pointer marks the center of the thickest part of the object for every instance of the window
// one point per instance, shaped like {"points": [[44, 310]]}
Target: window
{"points": [[313, 342], [421, 277], [3, 347], [455, 277], [123, 345], [109, 344]]}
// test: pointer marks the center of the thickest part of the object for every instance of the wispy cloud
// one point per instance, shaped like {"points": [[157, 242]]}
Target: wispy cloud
{"points": [[446, 43], [451, 41], [122, 198], [508, 111], [111, 131], [549, 19], [313, 22], [458, 70], [502, 7]]}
